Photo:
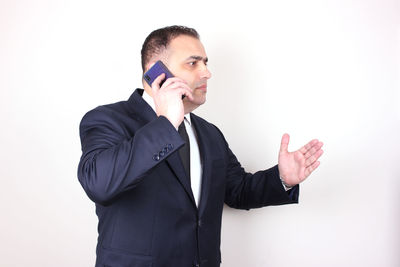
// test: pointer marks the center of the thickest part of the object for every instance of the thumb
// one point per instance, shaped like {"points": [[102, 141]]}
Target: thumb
{"points": [[284, 143]]}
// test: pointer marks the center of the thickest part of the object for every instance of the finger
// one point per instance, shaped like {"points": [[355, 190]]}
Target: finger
{"points": [[309, 145], [182, 89], [311, 168], [187, 92], [314, 158], [284, 143], [155, 86], [175, 85], [173, 80], [313, 150]]}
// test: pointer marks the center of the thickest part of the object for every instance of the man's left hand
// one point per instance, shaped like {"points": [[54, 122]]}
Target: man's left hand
{"points": [[295, 167]]}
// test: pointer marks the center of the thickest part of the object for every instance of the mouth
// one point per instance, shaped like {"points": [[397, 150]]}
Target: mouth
{"points": [[202, 87]]}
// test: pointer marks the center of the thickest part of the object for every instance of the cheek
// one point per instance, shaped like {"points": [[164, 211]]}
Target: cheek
{"points": [[190, 81], [189, 78]]}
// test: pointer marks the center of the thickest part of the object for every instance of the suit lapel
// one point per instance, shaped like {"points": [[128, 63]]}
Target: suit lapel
{"points": [[141, 110], [203, 141], [175, 163]]}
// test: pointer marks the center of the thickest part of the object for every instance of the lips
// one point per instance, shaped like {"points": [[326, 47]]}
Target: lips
{"points": [[202, 87]]}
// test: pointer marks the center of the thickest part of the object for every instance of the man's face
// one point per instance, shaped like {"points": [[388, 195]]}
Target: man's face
{"points": [[187, 59]]}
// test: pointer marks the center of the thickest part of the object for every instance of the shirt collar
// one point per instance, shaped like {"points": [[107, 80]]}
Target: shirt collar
{"points": [[150, 101]]}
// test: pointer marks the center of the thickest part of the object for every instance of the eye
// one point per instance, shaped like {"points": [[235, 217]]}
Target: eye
{"points": [[192, 63]]}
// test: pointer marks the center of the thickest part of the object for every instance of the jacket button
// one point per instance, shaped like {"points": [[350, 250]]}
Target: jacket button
{"points": [[170, 146], [199, 223], [162, 153], [156, 157]]}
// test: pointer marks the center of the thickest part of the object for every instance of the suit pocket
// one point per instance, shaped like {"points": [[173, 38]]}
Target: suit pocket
{"points": [[115, 258]]}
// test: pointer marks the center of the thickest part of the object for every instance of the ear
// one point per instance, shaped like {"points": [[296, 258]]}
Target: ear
{"points": [[149, 65]]}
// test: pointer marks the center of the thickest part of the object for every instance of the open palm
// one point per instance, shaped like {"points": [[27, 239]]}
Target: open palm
{"points": [[295, 167]]}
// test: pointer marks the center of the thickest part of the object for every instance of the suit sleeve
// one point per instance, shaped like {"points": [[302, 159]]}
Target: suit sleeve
{"points": [[247, 190], [113, 162]]}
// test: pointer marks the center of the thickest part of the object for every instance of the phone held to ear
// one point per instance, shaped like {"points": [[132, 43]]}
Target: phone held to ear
{"points": [[156, 70]]}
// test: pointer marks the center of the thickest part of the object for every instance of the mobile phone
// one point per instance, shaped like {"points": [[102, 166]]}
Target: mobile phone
{"points": [[156, 70]]}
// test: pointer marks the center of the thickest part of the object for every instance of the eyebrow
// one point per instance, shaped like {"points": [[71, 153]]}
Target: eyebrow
{"points": [[205, 59]]}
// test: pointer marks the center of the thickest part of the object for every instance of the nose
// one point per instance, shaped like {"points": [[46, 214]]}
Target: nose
{"points": [[208, 74], [205, 73]]}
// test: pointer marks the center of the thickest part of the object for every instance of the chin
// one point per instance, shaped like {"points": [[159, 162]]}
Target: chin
{"points": [[192, 105], [199, 97], [199, 100]]}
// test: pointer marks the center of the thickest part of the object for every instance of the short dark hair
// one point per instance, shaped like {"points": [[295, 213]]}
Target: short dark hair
{"points": [[159, 40]]}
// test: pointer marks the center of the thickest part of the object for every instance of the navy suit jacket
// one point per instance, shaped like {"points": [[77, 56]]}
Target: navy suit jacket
{"points": [[147, 213]]}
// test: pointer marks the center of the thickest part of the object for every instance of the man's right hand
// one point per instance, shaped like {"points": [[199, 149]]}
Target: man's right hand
{"points": [[168, 98]]}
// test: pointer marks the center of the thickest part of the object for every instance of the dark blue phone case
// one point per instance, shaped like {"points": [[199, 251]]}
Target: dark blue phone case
{"points": [[156, 70]]}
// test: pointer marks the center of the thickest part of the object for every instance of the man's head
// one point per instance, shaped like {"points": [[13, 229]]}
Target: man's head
{"points": [[180, 49]]}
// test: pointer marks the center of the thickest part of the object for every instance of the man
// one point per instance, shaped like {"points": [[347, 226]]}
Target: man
{"points": [[159, 174]]}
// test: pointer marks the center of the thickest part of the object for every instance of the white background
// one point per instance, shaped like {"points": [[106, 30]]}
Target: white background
{"points": [[315, 69]]}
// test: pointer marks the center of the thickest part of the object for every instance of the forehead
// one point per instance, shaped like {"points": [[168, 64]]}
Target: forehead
{"points": [[186, 46]]}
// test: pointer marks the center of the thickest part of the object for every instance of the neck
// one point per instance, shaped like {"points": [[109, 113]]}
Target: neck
{"points": [[147, 89]]}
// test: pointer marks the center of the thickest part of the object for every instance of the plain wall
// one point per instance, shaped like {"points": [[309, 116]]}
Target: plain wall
{"points": [[315, 69]]}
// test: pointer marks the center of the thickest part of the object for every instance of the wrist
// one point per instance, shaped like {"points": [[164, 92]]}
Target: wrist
{"points": [[285, 185]]}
